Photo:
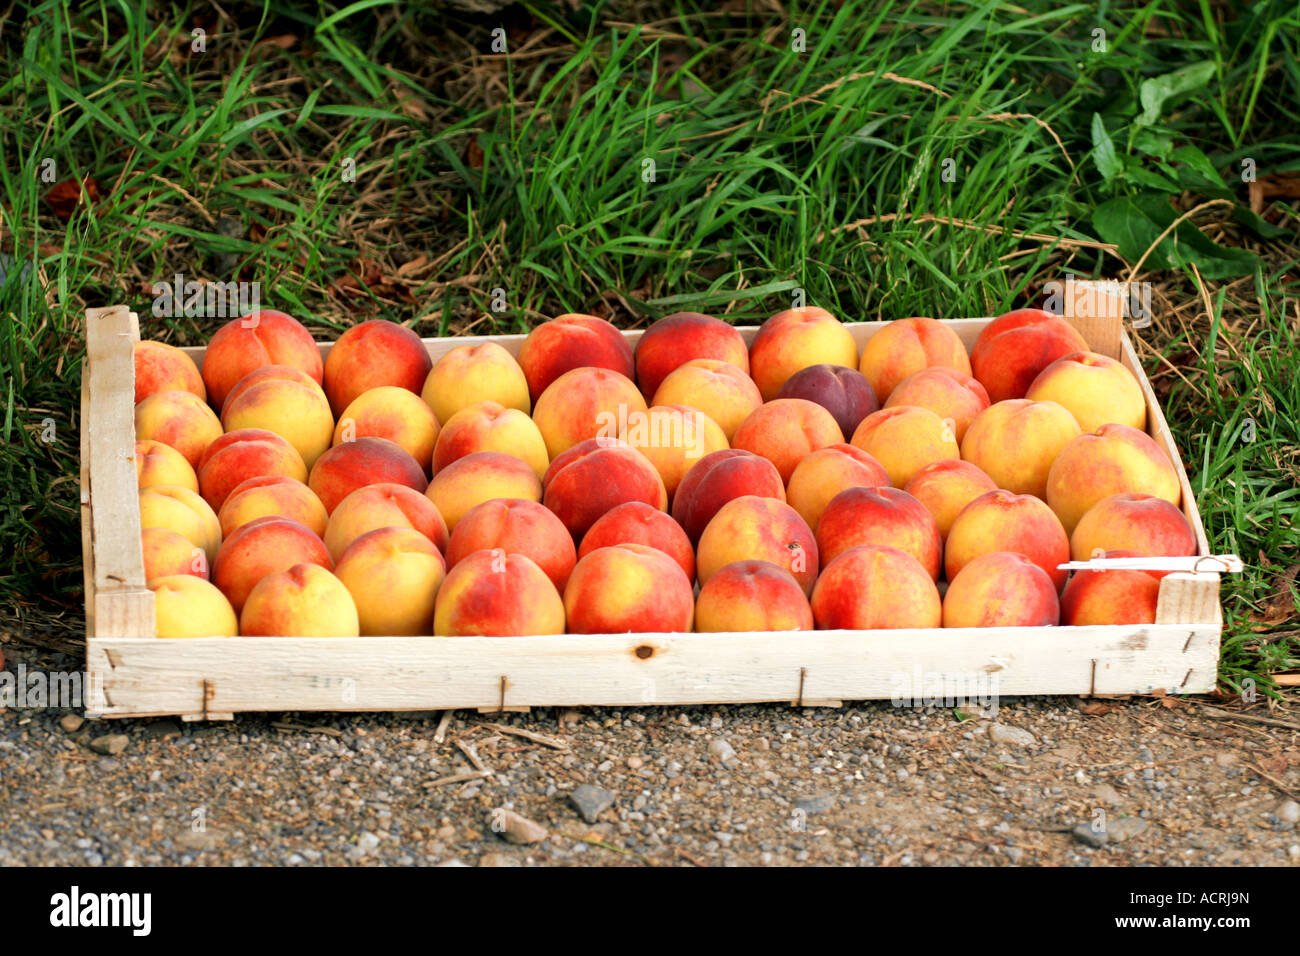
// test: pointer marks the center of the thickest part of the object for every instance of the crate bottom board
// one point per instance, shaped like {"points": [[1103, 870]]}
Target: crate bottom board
{"points": [[216, 677]]}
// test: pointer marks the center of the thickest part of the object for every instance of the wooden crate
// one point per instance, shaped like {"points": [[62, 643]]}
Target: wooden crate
{"points": [[132, 673]]}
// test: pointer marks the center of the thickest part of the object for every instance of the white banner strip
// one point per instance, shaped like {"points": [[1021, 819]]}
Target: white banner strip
{"points": [[1206, 563]]}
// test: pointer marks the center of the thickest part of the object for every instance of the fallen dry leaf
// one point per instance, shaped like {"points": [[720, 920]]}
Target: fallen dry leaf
{"points": [[1281, 607], [65, 197], [474, 155], [1273, 186], [1095, 708]]}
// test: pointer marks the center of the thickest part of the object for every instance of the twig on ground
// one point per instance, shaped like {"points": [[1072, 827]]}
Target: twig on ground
{"points": [[553, 742]]}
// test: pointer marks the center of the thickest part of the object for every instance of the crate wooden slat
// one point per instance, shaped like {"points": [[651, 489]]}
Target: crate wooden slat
{"points": [[133, 673]]}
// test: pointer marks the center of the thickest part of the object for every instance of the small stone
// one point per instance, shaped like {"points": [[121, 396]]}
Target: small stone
{"points": [[1288, 811], [1125, 828], [513, 828], [498, 859], [112, 744], [721, 751], [1011, 736], [294, 859], [71, 722], [818, 802], [454, 863], [160, 729], [635, 763], [366, 844], [447, 832], [591, 801], [1293, 851], [1085, 833]]}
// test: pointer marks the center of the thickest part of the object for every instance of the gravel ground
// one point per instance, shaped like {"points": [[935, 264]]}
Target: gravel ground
{"points": [[1043, 781]]}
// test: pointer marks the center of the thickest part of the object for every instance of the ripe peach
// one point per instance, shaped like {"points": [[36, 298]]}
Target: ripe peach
{"points": [[516, 526], [716, 388], [376, 352], [304, 600], [272, 496], [572, 341], [367, 461], [393, 575], [1116, 596], [635, 522], [1003, 521], [178, 509], [159, 464], [480, 477], [718, 478], [167, 553], [950, 394], [488, 426], [1001, 589], [187, 606], [261, 547], [393, 413], [1095, 389], [842, 391], [179, 419], [246, 453], [585, 403], [1013, 348], [266, 373], [885, 516], [874, 586], [1141, 524], [475, 373], [752, 596], [1015, 441], [906, 346], [904, 439], [751, 528], [792, 340], [596, 475], [628, 588], [295, 412], [946, 487], [165, 368], [260, 338], [495, 594], [682, 337], [825, 473], [1112, 460], [785, 431], [674, 438], [384, 505]]}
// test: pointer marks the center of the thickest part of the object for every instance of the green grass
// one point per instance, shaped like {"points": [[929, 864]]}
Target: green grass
{"points": [[777, 172]]}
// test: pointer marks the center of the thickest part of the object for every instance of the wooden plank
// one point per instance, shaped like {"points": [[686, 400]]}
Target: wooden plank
{"points": [[1096, 308]]}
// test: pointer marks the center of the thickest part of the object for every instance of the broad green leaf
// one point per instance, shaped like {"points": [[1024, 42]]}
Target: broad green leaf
{"points": [[1134, 224], [1199, 165], [1154, 92], [1103, 151]]}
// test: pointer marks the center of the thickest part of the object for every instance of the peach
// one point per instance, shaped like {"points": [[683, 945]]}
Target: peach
{"points": [[516, 526], [1015, 441], [475, 373], [946, 487], [751, 528], [367, 461], [635, 522], [568, 342], [272, 496], [596, 475], [186, 606], [167, 553], [1013, 348], [1141, 524], [1003, 521], [260, 338], [495, 594], [178, 509], [1109, 461], [489, 426], [682, 337], [1095, 389], [952, 395], [787, 430], [904, 347], [246, 453], [480, 477], [674, 438], [718, 478], [268, 373], [628, 588], [842, 391], [304, 600], [887, 516], [159, 464], [393, 413], [904, 439], [165, 368], [752, 596], [792, 340], [585, 403], [718, 389], [298, 414], [384, 505], [825, 473], [179, 419], [393, 575], [1001, 589], [1115, 596], [261, 547], [875, 586], [376, 352]]}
